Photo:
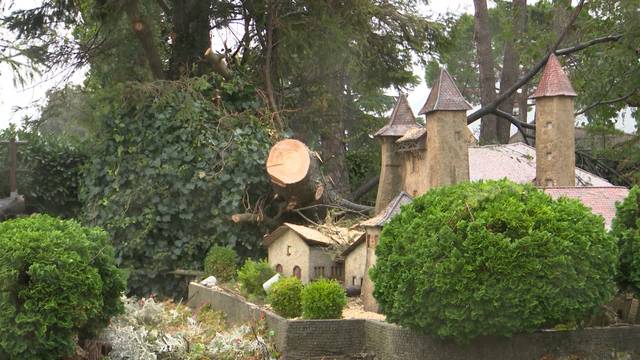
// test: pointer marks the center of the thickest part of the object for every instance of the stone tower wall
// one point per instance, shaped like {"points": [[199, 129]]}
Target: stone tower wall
{"points": [[447, 160], [390, 173], [555, 141]]}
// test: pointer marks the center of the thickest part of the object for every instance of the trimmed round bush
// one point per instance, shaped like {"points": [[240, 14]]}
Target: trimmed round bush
{"points": [[626, 229], [284, 297], [58, 283], [253, 274], [221, 263], [323, 299], [492, 258]]}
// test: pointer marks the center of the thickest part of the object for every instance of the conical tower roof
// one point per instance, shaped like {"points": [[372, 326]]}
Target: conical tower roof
{"points": [[444, 96], [554, 82], [401, 119]]}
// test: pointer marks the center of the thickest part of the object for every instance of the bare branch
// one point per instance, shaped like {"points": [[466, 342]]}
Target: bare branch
{"points": [[364, 188], [518, 124], [489, 108], [606, 102], [578, 47]]}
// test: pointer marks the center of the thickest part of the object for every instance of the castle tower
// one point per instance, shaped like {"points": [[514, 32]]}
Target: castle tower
{"points": [[391, 180], [555, 127], [446, 123]]}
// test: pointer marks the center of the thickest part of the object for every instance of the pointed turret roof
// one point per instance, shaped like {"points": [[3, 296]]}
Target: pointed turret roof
{"points": [[401, 119], [554, 82], [444, 96]]}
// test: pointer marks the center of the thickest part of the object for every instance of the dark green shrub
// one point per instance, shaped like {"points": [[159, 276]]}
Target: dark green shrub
{"points": [[50, 171], [284, 297], [58, 281], [626, 229], [492, 258], [171, 168], [252, 275], [323, 299], [221, 263]]}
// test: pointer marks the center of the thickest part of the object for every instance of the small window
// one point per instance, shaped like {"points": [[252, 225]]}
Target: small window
{"points": [[374, 240], [360, 282], [548, 182], [297, 272], [368, 237], [458, 135], [549, 155], [279, 269], [548, 125], [318, 272], [353, 281], [288, 250]]}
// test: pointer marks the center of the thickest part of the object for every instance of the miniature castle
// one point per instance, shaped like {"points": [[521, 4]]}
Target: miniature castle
{"points": [[417, 158]]}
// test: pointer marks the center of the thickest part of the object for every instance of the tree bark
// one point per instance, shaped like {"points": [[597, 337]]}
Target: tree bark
{"points": [[190, 37], [332, 137], [482, 37], [141, 29], [510, 66], [271, 13]]}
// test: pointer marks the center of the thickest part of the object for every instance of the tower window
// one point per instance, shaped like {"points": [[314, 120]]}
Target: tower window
{"points": [[549, 155], [288, 250], [458, 135], [548, 125], [548, 182]]}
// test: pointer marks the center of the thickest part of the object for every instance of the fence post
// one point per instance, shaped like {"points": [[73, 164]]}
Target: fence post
{"points": [[13, 164]]}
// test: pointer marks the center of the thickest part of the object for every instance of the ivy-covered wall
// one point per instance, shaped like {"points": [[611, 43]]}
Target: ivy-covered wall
{"points": [[176, 160]]}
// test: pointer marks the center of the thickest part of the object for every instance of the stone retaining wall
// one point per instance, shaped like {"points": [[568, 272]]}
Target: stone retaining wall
{"points": [[369, 339]]}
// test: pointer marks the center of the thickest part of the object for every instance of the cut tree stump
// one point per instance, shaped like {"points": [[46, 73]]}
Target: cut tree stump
{"points": [[294, 171]]}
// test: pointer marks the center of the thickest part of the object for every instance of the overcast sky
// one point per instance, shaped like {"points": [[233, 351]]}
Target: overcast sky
{"points": [[32, 95]]}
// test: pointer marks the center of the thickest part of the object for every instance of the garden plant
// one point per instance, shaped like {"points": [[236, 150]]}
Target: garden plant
{"points": [[492, 258], [58, 284], [285, 297], [626, 229], [323, 299]]}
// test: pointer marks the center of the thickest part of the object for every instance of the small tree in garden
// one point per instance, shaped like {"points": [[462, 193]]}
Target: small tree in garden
{"points": [[284, 297], [221, 262], [492, 258], [253, 274], [626, 229], [323, 299], [58, 283]]}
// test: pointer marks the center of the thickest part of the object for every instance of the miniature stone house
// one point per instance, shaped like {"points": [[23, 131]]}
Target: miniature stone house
{"points": [[355, 257], [308, 254], [372, 228]]}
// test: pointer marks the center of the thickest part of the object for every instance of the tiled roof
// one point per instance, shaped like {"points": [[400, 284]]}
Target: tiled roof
{"points": [[553, 82], [516, 162], [329, 236], [601, 200], [401, 119], [444, 96], [390, 211]]}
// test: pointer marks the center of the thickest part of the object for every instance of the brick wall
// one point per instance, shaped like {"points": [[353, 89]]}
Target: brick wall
{"points": [[360, 339]]}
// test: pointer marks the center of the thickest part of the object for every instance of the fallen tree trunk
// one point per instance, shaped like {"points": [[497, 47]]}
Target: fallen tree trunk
{"points": [[294, 171]]}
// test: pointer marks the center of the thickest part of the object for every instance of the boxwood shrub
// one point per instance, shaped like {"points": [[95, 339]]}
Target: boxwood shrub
{"points": [[492, 258], [58, 283], [221, 263], [323, 299], [284, 297], [626, 229], [252, 275]]}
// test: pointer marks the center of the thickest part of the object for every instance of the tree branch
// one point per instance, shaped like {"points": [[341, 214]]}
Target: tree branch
{"points": [[578, 47], [518, 124], [364, 188], [606, 102], [489, 108], [141, 30]]}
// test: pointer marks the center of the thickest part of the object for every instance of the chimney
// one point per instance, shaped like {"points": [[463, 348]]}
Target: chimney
{"points": [[555, 127], [447, 143], [391, 179]]}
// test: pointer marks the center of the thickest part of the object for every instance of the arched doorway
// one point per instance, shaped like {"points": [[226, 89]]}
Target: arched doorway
{"points": [[297, 272], [279, 269]]}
